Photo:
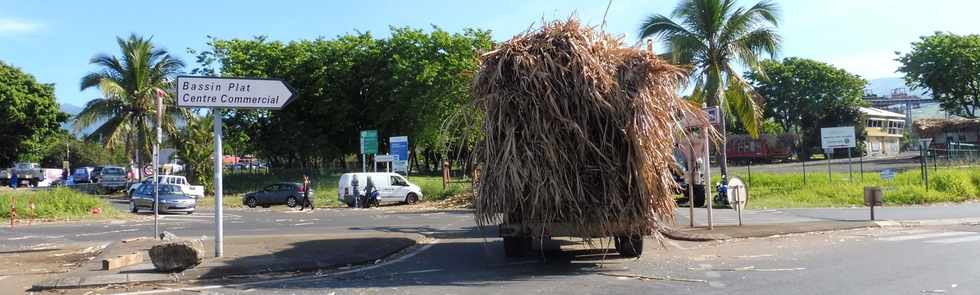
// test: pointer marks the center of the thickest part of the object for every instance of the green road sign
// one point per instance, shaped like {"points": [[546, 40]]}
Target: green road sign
{"points": [[369, 142]]}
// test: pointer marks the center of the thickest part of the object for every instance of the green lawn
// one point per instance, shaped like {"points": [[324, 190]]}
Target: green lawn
{"points": [[55, 204], [324, 186], [786, 190]]}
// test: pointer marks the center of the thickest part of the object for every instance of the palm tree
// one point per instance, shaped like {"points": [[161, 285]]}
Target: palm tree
{"points": [[710, 36], [130, 85]]}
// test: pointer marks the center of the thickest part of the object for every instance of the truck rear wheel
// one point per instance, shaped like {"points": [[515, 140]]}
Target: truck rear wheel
{"points": [[516, 247], [629, 246]]}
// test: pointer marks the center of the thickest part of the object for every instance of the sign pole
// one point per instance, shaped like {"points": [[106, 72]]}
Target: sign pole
{"points": [[690, 184], [830, 155], [156, 169], [707, 177], [850, 170], [219, 233], [363, 162]]}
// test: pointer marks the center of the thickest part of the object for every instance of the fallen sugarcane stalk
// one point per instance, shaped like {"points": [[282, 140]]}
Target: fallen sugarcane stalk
{"points": [[653, 278]]}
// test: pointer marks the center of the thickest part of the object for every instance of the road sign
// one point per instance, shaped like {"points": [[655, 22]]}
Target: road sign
{"points": [[232, 93], [384, 158], [888, 174], [227, 93], [837, 137], [399, 149], [148, 170], [714, 115], [369, 142]]}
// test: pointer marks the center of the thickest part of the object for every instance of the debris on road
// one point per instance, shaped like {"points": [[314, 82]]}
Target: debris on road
{"points": [[652, 278], [176, 256]]}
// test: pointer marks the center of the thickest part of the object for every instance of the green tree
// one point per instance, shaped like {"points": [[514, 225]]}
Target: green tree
{"points": [[28, 115], [804, 95], [407, 84], [130, 85], [713, 37], [195, 146], [948, 65]]}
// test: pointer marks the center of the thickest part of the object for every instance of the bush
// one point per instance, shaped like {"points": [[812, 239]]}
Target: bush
{"points": [[58, 203]]}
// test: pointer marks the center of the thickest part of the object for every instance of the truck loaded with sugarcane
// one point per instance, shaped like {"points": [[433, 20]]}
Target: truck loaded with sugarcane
{"points": [[579, 139]]}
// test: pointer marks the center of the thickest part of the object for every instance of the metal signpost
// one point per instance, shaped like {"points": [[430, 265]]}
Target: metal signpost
{"points": [[738, 194], [388, 159], [837, 137], [398, 147], [219, 93], [369, 145]]}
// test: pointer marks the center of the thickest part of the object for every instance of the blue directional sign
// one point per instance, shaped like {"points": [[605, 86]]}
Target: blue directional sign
{"points": [[399, 149]]}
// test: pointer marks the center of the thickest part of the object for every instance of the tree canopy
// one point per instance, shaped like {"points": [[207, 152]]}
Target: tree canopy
{"points": [[28, 115], [948, 65], [407, 84], [808, 95]]}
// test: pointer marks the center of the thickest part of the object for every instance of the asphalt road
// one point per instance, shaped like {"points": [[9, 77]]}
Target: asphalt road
{"points": [[463, 259]]}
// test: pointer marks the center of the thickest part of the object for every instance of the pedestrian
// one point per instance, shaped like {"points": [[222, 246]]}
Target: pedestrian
{"points": [[355, 202], [14, 182], [306, 194], [370, 193]]}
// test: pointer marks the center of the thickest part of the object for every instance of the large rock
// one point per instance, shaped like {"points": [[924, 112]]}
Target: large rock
{"points": [[177, 256]]}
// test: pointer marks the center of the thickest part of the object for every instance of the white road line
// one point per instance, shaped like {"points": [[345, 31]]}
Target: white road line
{"points": [[901, 232], [4, 277], [305, 223], [274, 281], [955, 240], [927, 236]]}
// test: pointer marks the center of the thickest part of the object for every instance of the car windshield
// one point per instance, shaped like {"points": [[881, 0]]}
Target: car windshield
{"points": [[113, 171], [164, 189]]}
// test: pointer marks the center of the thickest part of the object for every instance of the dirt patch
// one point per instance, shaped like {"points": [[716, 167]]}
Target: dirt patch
{"points": [[21, 268]]}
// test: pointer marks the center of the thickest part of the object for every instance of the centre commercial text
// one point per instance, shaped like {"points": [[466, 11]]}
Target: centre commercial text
{"points": [[224, 98]]}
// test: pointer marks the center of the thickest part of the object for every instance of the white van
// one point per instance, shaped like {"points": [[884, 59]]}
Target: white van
{"points": [[392, 187]]}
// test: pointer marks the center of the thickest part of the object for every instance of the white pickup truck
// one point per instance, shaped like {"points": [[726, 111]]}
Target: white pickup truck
{"points": [[196, 191]]}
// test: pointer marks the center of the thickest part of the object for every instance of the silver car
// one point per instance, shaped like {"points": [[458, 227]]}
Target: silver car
{"points": [[172, 200]]}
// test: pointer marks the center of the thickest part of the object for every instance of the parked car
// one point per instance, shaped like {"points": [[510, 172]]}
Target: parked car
{"points": [[196, 191], [284, 193], [392, 187], [110, 178], [172, 200], [83, 175], [26, 172]]}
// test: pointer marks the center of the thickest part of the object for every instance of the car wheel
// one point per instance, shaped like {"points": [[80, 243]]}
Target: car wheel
{"points": [[412, 198], [133, 208], [291, 202], [251, 202]]}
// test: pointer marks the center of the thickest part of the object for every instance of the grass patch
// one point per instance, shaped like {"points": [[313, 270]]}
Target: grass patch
{"points": [[787, 190], [324, 187], [54, 204]]}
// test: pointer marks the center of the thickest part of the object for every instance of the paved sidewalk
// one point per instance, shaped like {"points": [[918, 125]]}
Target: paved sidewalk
{"points": [[243, 256]]}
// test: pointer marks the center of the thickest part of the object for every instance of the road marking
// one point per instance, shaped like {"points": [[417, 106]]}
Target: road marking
{"points": [[20, 238], [955, 240], [927, 236], [285, 280], [105, 233], [3, 277], [305, 223]]}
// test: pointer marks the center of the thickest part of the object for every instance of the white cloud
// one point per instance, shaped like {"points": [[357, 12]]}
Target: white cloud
{"points": [[13, 26], [870, 65]]}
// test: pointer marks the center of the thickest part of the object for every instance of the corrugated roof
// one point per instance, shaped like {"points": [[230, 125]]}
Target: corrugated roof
{"points": [[874, 112]]}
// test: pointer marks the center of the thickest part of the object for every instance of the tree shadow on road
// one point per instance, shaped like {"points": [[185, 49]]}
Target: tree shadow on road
{"points": [[463, 257]]}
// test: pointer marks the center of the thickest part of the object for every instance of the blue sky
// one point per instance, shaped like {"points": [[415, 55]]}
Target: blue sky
{"points": [[53, 40]]}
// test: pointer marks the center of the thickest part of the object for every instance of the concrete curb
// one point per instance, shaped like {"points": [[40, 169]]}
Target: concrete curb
{"points": [[928, 222], [728, 232]]}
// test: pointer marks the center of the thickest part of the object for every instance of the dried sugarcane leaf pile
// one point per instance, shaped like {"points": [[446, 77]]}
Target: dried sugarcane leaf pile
{"points": [[578, 129]]}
